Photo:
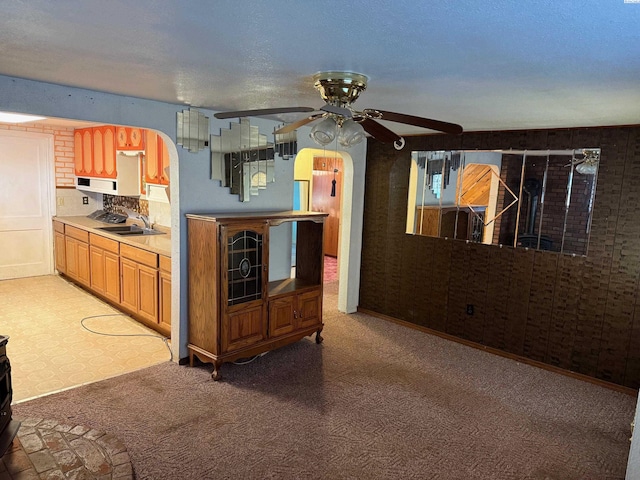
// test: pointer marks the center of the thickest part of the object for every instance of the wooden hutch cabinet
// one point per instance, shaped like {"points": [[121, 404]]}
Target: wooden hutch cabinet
{"points": [[234, 310]]}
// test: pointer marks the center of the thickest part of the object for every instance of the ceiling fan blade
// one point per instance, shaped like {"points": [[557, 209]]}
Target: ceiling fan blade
{"points": [[262, 111], [379, 131], [295, 125], [446, 127], [344, 112]]}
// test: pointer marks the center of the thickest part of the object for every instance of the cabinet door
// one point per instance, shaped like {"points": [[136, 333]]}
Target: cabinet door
{"points": [[109, 144], [98, 152], [136, 138], [309, 309], [84, 272], [165, 301], [59, 247], [281, 316], [87, 151], [71, 250], [243, 328], [112, 276], [163, 161], [148, 293], [97, 269], [151, 158], [77, 152], [129, 284]]}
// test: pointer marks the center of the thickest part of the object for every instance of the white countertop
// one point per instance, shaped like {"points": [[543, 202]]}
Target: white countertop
{"points": [[160, 244]]}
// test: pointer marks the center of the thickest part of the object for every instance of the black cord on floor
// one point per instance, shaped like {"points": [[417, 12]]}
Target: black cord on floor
{"points": [[164, 339]]}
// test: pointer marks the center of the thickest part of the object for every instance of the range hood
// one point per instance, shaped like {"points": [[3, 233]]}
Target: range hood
{"points": [[126, 183]]}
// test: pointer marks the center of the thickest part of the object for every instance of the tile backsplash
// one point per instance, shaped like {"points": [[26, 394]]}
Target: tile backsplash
{"points": [[158, 212], [112, 203]]}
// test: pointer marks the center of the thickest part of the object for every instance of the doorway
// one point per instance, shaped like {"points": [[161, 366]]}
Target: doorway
{"points": [[327, 197]]}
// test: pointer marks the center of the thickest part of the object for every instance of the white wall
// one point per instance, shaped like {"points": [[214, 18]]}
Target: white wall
{"points": [[192, 191], [633, 464]]}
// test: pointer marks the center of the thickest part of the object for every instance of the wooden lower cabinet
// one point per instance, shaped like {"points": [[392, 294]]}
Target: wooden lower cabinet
{"points": [[294, 311], [135, 280], [234, 311]]}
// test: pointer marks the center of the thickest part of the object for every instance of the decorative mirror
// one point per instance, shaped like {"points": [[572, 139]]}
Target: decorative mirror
{"points": [[243, 160], [533, 199], [192, 130]]}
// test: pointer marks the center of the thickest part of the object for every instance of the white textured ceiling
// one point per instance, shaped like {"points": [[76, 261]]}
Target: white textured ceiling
{"points": [[482, 64]]}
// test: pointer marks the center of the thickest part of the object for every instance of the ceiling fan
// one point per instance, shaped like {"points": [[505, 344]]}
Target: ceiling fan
{"points": [[340, 121]]}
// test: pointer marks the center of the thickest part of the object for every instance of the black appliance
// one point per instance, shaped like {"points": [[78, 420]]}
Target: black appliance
{"points": [[8, 426]]}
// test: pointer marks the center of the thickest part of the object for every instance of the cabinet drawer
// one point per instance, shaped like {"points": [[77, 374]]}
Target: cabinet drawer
{"points": [[165, 263], [141, 256], [104, 243], [58, 226], [76, 233]]}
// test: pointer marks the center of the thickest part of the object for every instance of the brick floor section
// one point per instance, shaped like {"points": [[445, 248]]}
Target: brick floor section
{"points": [[48, 450]]}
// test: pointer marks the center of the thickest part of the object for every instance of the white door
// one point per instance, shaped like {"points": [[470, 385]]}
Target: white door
{"points": [[26, 186]]}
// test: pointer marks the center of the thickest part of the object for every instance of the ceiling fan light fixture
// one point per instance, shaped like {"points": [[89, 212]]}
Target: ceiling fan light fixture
{"points": [[350, 133], [324, 132], [587, 168]]}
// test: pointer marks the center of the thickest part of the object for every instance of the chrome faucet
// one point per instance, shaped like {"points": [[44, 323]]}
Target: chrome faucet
{"points": [[137, 216], [145, 220]]}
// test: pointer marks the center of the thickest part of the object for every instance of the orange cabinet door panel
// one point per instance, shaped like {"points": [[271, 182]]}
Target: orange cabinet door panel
{"points": [[77, 152], [98, 153], [163, 161], [87, 151], [109, 144], [151, 160]]}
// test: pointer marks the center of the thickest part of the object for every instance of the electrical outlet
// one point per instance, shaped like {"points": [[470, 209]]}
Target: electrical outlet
{"points": [[469, 309], [60, 201], [85, 200]]}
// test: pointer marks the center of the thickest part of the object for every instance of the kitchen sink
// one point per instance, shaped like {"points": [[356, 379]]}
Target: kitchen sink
{"points": [[130, 230]]}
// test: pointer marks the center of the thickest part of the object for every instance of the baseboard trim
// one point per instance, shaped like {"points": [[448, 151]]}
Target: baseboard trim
{"points": [[502, 353]]}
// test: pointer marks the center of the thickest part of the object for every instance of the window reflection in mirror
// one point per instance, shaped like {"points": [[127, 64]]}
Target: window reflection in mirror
{"points": [[534, 199]]}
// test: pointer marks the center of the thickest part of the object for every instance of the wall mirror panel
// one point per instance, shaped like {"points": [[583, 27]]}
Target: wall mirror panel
{"points": [[535, 199]]}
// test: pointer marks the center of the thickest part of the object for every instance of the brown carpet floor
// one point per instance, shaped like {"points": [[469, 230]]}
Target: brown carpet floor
{"points": [[375, 401]]}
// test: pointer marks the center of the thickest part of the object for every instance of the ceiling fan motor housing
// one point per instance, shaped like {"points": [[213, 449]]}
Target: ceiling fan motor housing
{"points": [[340, 88]]}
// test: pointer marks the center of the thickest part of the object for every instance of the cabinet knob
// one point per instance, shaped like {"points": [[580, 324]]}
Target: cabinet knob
{"points": [[295, 314]]}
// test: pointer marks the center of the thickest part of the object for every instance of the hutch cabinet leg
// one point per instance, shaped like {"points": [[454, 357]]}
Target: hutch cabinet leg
{"points": [[319, 338], [191, 359], [215, 375]]}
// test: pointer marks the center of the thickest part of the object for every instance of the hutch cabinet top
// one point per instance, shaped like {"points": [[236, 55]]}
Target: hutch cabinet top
{"points": [[271, 217]]}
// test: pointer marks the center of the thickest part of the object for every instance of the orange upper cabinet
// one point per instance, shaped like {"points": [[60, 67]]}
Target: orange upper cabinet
{"points": [[157, 158], [95, 153], [128, 138]]}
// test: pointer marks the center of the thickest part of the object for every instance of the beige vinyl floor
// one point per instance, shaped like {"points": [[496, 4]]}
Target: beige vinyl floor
{"points": [[50, 350]]}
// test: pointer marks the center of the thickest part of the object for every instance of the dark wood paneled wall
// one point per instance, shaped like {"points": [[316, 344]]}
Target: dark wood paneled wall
{"points": [[577, 313]]}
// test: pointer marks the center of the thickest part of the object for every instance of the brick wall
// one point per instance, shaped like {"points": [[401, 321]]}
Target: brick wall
{"points": [[62, 148]]}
